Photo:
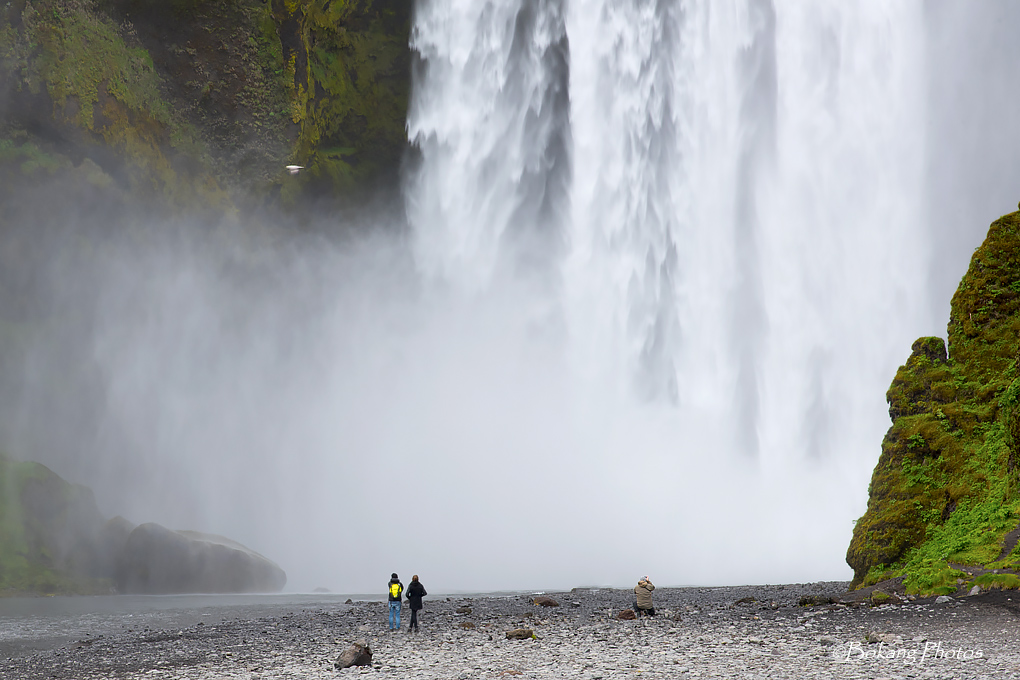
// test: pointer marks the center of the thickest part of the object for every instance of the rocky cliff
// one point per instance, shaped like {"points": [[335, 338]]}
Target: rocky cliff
{"points": [[198, 105], [944, 501], [53, 540]]}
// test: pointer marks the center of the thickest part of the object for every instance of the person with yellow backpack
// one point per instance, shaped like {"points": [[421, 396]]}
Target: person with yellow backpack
{"points": [[396, 589]]}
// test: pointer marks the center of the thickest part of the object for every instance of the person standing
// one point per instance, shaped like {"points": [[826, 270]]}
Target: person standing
{"points": [[396, 588], [415, 592], [643, 591]]}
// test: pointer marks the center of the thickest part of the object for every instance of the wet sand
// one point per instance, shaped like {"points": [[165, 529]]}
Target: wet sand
{"points": [[732, 632]]}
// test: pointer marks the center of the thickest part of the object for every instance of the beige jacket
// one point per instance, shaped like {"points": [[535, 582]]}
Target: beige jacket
{"points": [[643, 590]]}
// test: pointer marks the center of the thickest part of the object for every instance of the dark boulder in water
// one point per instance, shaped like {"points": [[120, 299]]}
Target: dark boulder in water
{"points": [[156, 560]]}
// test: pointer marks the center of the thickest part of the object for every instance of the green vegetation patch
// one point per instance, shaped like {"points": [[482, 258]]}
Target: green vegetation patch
{"points": [[993, 581]]}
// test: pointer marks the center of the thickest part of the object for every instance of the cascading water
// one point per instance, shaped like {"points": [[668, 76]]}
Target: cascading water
{"points": [[723, 200]]}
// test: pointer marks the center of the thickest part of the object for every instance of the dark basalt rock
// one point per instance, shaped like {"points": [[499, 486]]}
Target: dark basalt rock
{"points": [[520, 634], [358, 654], [815, 600], [627, 615], [156, 560], [544, 601]]}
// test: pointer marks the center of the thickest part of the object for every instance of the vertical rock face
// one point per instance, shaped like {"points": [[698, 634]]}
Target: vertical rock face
{"points": [[346, 68], [195, 104], [944, 493]]}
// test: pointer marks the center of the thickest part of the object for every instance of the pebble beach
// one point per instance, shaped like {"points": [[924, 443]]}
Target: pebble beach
{"points": [[730, 632]]}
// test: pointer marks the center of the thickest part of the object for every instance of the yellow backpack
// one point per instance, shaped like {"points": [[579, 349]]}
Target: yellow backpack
{"points": [[395, 590]]}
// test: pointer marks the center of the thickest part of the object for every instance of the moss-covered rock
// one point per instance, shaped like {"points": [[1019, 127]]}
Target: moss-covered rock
{"points": [[197, 105], [348, 68], [944, 492], [51, 534], [53, 540], [77, 82]]}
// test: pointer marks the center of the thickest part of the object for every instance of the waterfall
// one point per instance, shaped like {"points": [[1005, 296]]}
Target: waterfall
{"points": [[722, 191], [664, 258]]}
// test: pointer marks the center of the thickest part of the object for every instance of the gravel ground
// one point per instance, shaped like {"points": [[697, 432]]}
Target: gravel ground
{"points": [[738, 632]]}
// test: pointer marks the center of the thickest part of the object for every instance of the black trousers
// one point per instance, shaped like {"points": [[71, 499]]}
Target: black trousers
{"points": [[647, 612], [414, 619]]}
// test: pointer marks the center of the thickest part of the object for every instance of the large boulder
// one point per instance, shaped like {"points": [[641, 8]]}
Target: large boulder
{"points": [[358, 654], [156, 560]]}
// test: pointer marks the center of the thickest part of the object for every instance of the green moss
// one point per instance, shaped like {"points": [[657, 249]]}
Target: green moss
{"points": [[945, 486], [26, 563], [878, 597], [350, 65], [104, 91], [81, 56], [205, 101], [998, 581], [29, 158]]}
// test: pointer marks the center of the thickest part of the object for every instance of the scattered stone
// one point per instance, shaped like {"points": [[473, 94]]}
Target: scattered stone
{"points": [[544, 601], [467, 625], [888, 638], [751, 600], [811, 600], [976, 590], [463, 610], [587, 642], [627, 615], [358, 654], [349, 601], [943, 599]]}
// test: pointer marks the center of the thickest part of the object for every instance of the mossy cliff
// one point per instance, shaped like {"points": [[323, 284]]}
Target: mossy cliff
{"points": [[199, 104], [49, 534], [53, 540], [945, 495]]}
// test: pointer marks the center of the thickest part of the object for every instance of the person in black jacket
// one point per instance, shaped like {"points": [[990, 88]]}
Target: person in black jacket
{"points": [[415, 592]]}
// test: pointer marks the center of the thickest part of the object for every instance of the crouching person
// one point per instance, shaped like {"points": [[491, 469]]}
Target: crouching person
{"points": [[643, 591]]}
